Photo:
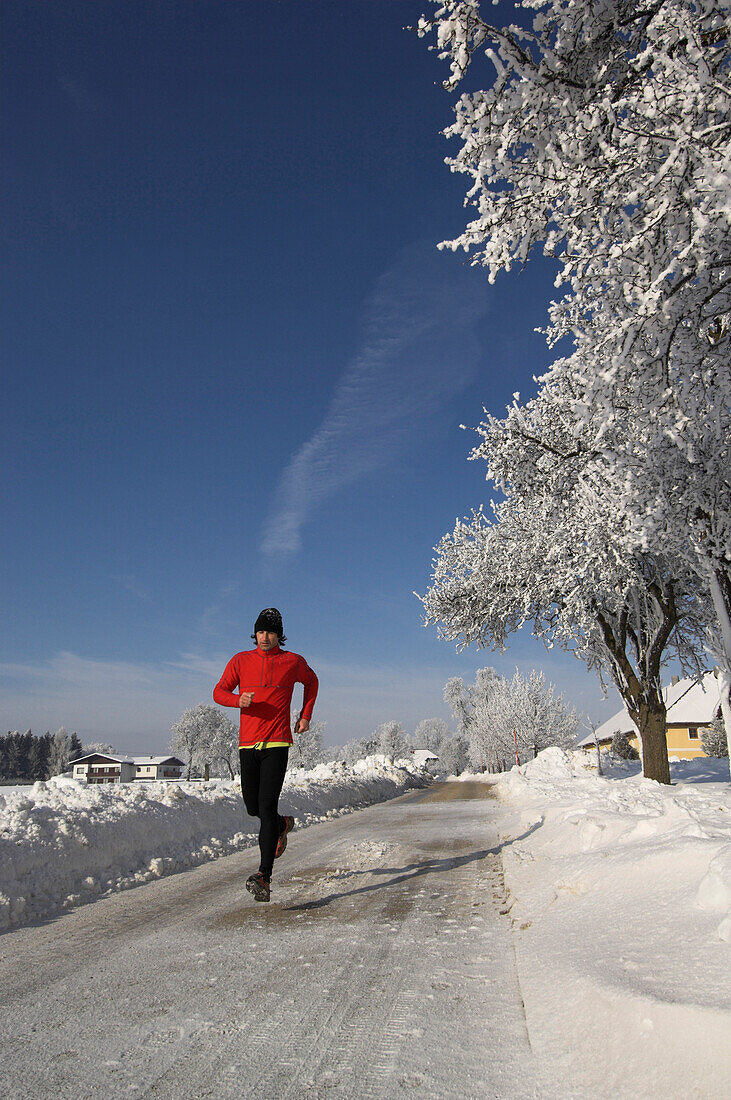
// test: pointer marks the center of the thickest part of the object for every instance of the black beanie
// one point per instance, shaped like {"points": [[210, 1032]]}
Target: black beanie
{"points": [[270, 619]]}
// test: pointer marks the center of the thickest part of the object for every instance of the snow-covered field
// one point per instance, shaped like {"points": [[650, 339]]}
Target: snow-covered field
{"points": [[63, 842], [621, 910]]}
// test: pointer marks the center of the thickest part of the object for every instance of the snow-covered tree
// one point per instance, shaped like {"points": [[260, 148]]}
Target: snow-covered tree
{"points": [[603, 135], [458, 698], [486, 732], [187, 735], [622, 747], [480, 710], [714, 740], [221, 745], [429, 734], [668, 485], [464, 700], [390, 739], [454, 754], [495, 712], [60, 753], [99, 746], [554, 557], [204, 735], [367, 745], [530, 711], [352, 751], [306, 750]]}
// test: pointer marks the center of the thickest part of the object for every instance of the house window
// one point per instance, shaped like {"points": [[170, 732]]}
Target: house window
{"points": [[693, 733]]}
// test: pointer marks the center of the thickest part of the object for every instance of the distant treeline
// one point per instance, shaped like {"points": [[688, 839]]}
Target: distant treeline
{"points": [[25, 757]]}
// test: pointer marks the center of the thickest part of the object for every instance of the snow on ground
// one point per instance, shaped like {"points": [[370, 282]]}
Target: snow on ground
{"points": [[621, 909], [619, 893], [63, 842]]}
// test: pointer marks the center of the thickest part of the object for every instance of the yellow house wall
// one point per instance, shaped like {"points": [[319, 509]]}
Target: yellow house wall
{"points": [[680, 743]]}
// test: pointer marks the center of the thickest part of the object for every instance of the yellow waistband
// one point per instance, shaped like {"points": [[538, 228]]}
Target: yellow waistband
{"points": [[268, 745]]}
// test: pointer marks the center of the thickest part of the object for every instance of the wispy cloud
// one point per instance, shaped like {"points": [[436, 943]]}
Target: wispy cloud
{"points": [[210, 668], [417, 350]]}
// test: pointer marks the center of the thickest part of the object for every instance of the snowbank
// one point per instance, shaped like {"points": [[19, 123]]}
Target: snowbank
{"points": [[63, 842], [621, 907]]}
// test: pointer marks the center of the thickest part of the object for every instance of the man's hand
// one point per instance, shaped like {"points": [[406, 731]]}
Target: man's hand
{"points": [[302, 725], [246, 698]]}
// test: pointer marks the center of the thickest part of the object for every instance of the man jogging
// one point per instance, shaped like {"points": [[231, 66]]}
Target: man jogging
{"points": [[265, 678]]}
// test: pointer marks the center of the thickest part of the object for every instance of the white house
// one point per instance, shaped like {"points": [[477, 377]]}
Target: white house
{"points": [[422, 757], [691, 706], [99, 767], [158, 767]]}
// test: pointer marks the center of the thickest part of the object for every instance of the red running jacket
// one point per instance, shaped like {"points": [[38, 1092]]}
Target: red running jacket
{"points": [[271, 676]]}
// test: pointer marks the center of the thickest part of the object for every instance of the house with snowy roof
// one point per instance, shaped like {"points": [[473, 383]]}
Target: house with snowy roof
{"points": [[101, 767], [422, 757], [691, 706]]}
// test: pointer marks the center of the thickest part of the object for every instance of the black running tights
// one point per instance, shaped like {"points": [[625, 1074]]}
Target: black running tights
{"points": [[262, 776]]}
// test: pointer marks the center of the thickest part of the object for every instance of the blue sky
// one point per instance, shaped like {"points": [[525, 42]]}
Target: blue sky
{"points": [[235, 364]]}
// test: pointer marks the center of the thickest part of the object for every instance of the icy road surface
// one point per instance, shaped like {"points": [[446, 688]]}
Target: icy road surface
{"points": [[383, 967]]}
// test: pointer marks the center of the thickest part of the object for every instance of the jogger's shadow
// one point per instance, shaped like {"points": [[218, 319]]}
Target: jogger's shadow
{"points": [[409, 873]]}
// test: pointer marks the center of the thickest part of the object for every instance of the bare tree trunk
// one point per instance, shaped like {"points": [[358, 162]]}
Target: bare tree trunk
{"points": [[647, 711], [641, 690], [649, 718]]}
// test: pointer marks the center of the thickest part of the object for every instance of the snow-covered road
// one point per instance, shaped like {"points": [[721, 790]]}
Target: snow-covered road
{"points": [[382, 967]]}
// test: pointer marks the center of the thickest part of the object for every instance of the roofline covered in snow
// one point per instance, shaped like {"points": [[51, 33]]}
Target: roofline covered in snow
{"points": [[688, 702], [137, 760]]}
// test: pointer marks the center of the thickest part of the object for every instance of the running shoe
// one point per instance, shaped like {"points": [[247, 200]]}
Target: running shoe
{"points": [[258, 886], [282, 842]]}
